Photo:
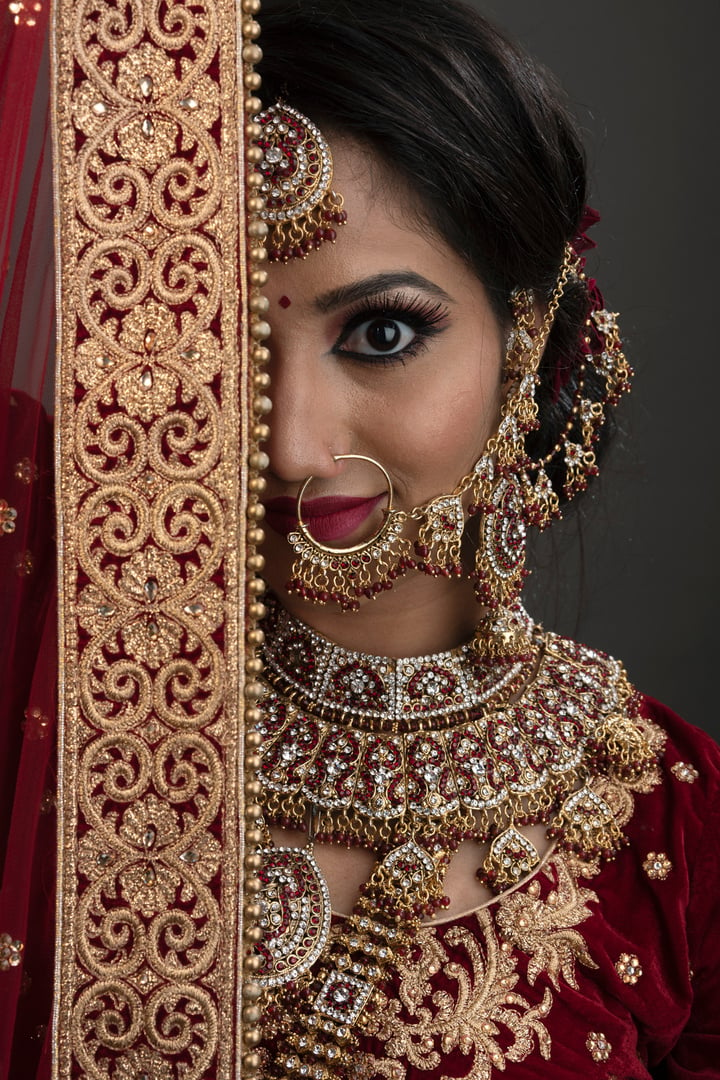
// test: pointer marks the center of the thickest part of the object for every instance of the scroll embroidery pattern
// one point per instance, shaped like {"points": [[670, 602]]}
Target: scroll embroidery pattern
{"points": [[483, 1016], [150, 479]]}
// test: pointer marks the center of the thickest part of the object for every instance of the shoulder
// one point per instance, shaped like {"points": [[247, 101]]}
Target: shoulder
{"points": [[686, 802], [657, 900], [683, 811], [685, 745], [661, 897], [660, 774], [688, 758]]}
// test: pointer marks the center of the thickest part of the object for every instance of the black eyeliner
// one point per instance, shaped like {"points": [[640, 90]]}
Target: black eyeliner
{"points": [[426, 317]]}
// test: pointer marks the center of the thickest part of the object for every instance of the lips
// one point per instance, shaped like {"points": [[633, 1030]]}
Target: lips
{"points": [[330, 519]]}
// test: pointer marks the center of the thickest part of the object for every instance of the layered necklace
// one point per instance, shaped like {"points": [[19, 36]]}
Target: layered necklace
{"points": [[409, 757]]}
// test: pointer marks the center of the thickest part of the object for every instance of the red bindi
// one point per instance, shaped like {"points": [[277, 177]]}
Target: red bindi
{"points": [[285, 301]]}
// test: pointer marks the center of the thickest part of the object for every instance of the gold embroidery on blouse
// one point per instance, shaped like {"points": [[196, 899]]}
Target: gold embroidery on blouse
{"points": [[8, 518], [25, 471], [685, 772], [368, 1067], [25, 14], [48, 803], [36, 724], [483, 1017], [24, 564], [628, 968], [620, 794], [10, 952], [598, 1045], [651, 774], [543, 928], [657, 866]]}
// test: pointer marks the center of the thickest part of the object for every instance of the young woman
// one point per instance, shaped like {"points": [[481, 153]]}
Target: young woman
{"points": [[483, 850]]}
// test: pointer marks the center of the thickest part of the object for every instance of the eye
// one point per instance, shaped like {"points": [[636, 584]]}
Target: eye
{"points": [[390, 329], [381, 336]]}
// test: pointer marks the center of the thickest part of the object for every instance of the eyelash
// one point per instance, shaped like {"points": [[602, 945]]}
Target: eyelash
{"points": [[425, 317]]}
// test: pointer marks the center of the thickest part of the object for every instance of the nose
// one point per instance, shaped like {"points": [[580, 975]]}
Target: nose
{"points": [[306, 418]]}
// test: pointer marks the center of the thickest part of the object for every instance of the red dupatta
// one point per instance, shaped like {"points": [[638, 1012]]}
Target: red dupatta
{"points": [[151, 667], [28, 648]]}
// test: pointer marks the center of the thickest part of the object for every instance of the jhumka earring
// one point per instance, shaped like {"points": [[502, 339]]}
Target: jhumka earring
{"points": [[515, 491], [301, 209]]}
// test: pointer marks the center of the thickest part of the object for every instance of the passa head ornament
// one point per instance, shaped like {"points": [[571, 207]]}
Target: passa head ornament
{"points": [[301, 209]]}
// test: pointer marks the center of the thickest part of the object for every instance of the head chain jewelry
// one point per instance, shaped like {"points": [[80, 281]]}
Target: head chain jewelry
{"points": [[601, 350], [301, 209], [507, 490]]}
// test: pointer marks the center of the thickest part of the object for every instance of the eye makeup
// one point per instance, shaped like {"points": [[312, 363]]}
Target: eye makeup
{"points": [[390, 328]]}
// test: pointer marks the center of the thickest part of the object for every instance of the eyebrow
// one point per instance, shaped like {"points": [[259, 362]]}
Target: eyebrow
{"points": [[378, 283]]}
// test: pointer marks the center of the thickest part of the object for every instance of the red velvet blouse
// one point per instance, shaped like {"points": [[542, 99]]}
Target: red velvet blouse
{"points": [[608, 971]]}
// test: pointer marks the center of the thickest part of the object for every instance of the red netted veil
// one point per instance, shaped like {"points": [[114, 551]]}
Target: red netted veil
{"points": [[27, 550]]}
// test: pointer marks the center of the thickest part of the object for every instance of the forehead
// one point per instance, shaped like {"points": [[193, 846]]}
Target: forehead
{"points": [[385, 232]]}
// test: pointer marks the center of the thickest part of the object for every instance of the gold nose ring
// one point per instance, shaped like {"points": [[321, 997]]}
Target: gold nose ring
{"points": [[377, 537]]}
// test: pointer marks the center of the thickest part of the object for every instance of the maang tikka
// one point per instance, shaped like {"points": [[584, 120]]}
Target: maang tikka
{"points": [[301, 209]]}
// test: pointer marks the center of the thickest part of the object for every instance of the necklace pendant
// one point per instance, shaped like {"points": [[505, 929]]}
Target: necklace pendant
{"points": [[343, 997], [408, 868], [589, 823], [511, 857], [296, 915]]}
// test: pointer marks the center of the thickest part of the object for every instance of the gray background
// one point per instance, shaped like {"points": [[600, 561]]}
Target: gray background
{"points": [[641, 78]]}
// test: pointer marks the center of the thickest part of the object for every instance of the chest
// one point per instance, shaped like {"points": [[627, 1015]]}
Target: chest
{"points": [[346, 869]]}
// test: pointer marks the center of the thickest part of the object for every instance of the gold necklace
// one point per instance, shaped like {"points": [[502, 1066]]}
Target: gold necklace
{"points": [[409, 757], [379, 747]]}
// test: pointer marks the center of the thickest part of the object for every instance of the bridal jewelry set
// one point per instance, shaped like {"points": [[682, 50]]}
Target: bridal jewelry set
{"points": [[411, 757]]}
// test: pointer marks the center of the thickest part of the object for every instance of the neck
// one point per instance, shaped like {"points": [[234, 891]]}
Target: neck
{"points": [[419, 616]]}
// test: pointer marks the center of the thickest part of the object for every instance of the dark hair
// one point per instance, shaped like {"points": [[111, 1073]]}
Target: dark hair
{"points": [[474, 128]]}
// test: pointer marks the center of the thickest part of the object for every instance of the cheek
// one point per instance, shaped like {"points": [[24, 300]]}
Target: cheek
{"points": [[453, 416], [435, 438], [466, 417]]}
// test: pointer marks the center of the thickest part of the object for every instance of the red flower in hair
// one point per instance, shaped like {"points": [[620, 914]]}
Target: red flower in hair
{"points": [[581, 241]]}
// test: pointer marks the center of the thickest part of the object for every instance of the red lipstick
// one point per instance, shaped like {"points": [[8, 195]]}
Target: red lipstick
{"points": [[328, 519]]}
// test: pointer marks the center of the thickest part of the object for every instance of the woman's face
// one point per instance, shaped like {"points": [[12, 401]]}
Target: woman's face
{"points": [[384, 345]]}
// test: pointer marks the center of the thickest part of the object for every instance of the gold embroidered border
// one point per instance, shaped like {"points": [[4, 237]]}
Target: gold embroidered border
{"points": [[153, 423]]}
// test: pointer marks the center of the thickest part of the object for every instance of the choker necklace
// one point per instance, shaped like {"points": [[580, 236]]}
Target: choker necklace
{"points": [[382, 694], [409, 757], [377, 747]]}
